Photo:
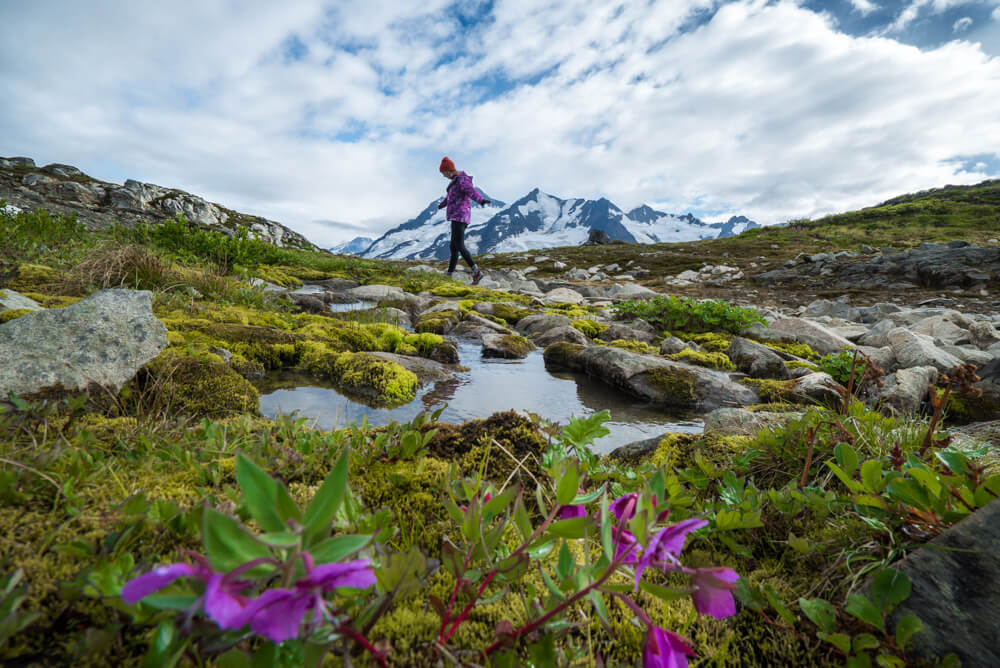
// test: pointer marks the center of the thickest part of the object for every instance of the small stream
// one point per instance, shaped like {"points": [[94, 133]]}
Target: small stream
{"points": [[487, 387]]}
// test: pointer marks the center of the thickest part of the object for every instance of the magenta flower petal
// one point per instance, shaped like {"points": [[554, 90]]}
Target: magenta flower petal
{"points": [[621, 505], [713, 594], [626, 548], [357, 573], [277, 613], [569, 512], [223, 604], [665, 649], [155, 580], [670, 540]]}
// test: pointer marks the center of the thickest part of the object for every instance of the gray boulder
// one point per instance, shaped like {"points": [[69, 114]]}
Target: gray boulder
{"points": [[565, 333], [10, 301], [969, 354], [955, 590], [943, 328], [820, 388], [630, 291], [983, 334], [426, 370], [617, 331], [536, 324], [654, 379], [905, 390], [505, 346], [98, 343], [672, 345], [741, 422], [374, 292], [755, 360], [816, 336], [914, 350], [564, 295], [878, 335], [833, 309]]}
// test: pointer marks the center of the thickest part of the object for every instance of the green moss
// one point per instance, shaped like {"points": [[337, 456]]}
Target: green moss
{"points": [[591, 328], [718, 361], [52, 301], [424, 342], [571, 311], [202, 385], [515, 346], [438, 322], [796, 364], [713, 342], [634, 346], [677, 385], [407, 349], [773, 391], [382, 381], [474, 445], [10, 314], [798, 349], [561, 353], [35, 276], [275, 275], [509, 314]]}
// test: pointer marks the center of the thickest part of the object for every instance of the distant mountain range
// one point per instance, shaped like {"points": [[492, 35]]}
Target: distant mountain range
{"points": [[539, 220], [355, 246]]}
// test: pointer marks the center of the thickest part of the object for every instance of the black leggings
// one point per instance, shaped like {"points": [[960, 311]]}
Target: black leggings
{"points": [[458, 246]]}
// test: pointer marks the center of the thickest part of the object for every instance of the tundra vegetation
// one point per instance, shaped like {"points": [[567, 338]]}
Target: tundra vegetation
{"points": [[170, 524]]}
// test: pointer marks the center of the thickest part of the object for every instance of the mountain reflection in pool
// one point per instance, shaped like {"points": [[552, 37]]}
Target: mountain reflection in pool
{"points": [[489, 386]]}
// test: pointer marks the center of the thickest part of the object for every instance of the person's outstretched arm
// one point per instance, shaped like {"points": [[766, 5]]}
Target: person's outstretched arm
{"points": [[470, 191]]}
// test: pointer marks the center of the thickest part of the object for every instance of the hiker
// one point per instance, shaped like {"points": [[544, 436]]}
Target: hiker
{"points": [[460, 191]]}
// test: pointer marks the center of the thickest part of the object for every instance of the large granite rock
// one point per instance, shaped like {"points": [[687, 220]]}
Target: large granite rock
{"points": [[905, 390], [816, 336], [536, 324], [13, 301], [426, 370], [755, 360], [375, 292], [653, 379], [983, 334], [913, 350], [98, 343], [955, 589], [616, 331], [565, 333], [741, 422], [506, 346]]}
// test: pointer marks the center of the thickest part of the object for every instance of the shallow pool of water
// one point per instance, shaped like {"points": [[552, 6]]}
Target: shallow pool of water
{"points": [[489, 386]]}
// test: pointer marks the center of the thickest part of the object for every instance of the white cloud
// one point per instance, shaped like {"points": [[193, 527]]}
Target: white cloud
{"points": [[961, 25], [864, 7], [765, 110]]}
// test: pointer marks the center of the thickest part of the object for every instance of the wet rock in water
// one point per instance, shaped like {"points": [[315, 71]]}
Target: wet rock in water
{"points": [[617, 331], [506, 346], [101, 341], [375, 292], [816, 336], [426, 370], [955, 582], [445, 352], [755, 360], [566, 333], [474, 326], [914, 350], [741, 422], [637, 450], [654, 379], [905, 390], [536, 324], [337, 284]]}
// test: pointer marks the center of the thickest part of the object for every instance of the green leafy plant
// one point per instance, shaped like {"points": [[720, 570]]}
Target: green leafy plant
{"points": [[687, 314]]}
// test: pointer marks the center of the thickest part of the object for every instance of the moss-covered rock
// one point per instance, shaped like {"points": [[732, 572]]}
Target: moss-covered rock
{"points": [[506, 346], [200, 385], [424, 342], [471, 445], [381, 381], [509, 313], [634, 346], [35, 277], [10, 314], [677, 385], [560, 354], [591, 328], [713, 342], [718, 361], [773, 391], [438, 322]]}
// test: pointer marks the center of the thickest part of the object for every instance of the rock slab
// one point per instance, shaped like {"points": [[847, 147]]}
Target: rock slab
{"points": [[956, 586], [101, 341]]}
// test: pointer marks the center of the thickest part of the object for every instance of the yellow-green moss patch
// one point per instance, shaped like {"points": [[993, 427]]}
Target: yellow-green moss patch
{"points": [[591, 328], [719, 361]]}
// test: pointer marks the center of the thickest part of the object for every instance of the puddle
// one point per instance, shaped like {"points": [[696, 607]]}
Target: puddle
{"points": [[489, 386]]}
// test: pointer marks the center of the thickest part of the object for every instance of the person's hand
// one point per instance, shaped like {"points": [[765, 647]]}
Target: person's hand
{"points": [[485, 202], [442, 204]]}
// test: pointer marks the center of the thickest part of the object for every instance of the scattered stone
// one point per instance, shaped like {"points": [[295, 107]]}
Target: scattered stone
{"points": [[99, 342], [755, 360], [506, 346], [820, 388], [817, 337], [597, 238], [913, 350], [558, 265], [536, 324], [983, 334], [741, 422], [11, 301], [616, 331], [566, 333], [564, 295], [426, 370], [905, 390], [672, 345], [630, 291]]}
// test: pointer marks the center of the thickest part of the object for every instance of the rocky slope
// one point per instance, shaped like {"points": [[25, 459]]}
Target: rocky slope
{"points": [[98, 204]]}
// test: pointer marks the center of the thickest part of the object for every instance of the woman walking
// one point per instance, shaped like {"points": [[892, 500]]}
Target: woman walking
{"points": [[460, 191]]}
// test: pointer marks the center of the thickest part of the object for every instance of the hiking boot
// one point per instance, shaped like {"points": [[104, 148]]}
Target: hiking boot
{"points": [[477, 276]]}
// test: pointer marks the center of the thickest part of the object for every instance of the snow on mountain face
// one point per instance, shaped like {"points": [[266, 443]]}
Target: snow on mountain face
{"points": [[355, 246], [539, 220]]}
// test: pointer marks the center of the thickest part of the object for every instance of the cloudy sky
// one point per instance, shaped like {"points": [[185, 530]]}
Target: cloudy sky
{"points": [[332, 117]]}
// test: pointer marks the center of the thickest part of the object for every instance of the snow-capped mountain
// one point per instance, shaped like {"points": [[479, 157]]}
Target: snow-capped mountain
{"points": [[539, 220], [355, 246]]}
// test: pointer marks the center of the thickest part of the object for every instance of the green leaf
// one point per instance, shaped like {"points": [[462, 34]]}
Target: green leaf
{"points": [[859, 606], [496, 504], [800, 545], [521, 519], [589, 497], [820, 612], [584, 431], [859, 661], [551, 585], [889, 588], [602, 612], [957, 462], [566, 562], [323, 507], [542, 548], [844, 478], [889, 661], [661, 592], [871, 475], [543, 651], [566, 489], [267, 499], [927, 479], [575, 527], [905, 628], [167, 602], [779, 606], [227, 544], [865, 641], [606, 543], [279, 539], [847, 457], [839, 640], [988, 490], [338, 547]]}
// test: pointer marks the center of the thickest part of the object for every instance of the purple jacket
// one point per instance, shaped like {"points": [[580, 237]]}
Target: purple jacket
{"points": [[460, 191]]}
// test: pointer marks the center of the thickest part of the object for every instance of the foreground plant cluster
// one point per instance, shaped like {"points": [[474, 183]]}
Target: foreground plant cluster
{"points": [[137, 531]]}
